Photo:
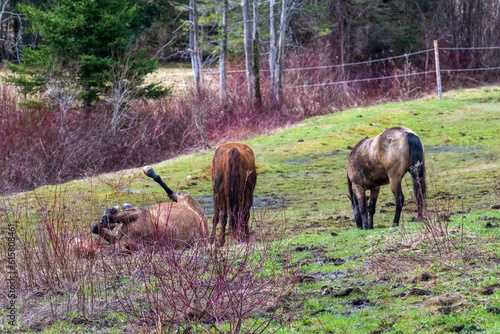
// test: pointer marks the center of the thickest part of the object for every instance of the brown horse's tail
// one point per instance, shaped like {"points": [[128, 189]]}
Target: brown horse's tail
{"points": [[417, 169], [233, 184]]}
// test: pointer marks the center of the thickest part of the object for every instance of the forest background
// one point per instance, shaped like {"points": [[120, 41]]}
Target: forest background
{"points": [[78, 97]]}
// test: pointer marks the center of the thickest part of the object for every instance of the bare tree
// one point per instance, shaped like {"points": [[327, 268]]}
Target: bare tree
{"points": [[223, 53], [122, 91], [11, 30], [247, 25], [256, 52], [277, 51], [194, 44], [281, 48], [272, 51], [63, 90]]}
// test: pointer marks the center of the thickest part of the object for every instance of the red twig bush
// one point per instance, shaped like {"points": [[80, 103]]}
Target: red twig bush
{"points": [[239, 288]]}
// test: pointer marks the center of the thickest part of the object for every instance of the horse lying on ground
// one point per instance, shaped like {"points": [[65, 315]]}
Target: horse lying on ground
{"points": [[233, 181], [381, 160], [178, 224]]}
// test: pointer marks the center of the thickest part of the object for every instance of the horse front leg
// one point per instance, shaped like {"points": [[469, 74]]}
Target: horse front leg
{"points": [[371, 207], [105, 233], [361, 205], [398, 198]]}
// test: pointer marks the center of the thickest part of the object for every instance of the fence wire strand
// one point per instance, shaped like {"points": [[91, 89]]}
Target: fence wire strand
{"points": [[406, 55], [361, 80]]}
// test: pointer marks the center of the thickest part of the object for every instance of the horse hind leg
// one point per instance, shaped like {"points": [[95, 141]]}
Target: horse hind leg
{"points": [[398, 198], [214, 224], [222, 237], [244, 228], [371, 207]]}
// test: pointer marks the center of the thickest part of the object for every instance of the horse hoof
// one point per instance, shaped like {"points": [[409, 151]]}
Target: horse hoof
{"points": [[94, 228], [126, 206]]}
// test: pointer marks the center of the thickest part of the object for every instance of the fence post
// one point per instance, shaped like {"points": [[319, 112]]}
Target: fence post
{"points": [[438, 73]]}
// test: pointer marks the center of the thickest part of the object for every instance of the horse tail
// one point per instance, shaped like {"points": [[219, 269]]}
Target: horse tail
{"points": [[233, 182], [417, 168], [349, 186]]}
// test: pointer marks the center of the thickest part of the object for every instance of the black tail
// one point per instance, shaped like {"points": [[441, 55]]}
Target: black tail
{"points": [[234, 183], [417, 169]]}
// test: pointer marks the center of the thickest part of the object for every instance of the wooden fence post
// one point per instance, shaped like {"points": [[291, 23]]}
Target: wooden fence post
{"points": [[438, 73]]}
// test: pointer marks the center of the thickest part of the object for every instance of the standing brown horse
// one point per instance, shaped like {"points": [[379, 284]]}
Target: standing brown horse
{"points": [[381, 160], [233, 181]]}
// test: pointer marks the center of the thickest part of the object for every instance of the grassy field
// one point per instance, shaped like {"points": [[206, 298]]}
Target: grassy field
{"points": [[437, 277]]}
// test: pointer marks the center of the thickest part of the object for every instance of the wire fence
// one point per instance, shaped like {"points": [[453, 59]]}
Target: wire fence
{"points": [[396, 76]]}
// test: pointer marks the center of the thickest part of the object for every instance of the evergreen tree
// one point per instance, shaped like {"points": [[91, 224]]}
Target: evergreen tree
{"points": [[82, 40]]}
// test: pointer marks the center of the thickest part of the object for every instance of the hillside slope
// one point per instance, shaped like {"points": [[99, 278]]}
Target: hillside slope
{"points": [[400, 278]]}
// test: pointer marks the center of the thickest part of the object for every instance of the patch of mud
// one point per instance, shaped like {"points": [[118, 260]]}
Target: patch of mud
{"points": [[131, 191], [330, 276], [424, 277], [448, 309], [295, 162], [419, 292], [493, 309], [489, 289], [259, 203], [451, 148], [361, 303], [318, 256], [340, 293], [446, 299]]}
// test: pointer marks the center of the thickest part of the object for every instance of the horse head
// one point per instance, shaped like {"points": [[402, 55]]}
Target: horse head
{"points": [[108, 220]]}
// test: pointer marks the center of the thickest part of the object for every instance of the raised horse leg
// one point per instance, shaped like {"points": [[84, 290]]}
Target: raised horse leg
{"points": [[371, 207], [398, 197]]}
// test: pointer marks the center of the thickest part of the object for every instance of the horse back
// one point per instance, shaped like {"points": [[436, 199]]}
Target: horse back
{"points": [[373, 161], [394, 150]]}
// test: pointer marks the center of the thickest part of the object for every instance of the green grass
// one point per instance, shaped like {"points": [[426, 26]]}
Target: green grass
{"points": [[302, 171]]}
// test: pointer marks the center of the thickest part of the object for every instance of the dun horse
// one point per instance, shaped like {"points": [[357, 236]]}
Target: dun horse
{"points": [[179, 224], [381, 160], [233, 181]]}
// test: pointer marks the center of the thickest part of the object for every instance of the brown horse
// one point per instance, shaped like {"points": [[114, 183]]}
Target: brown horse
{"points": [[179, 224], [381, 160], [233, 181]]}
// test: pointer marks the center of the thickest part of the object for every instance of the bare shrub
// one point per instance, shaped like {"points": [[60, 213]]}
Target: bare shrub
{"points": [[117, 181], [237, 288], [229, 289]]}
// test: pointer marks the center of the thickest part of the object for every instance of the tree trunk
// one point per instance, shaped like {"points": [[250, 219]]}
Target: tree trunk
{"points": [[272, 52], [247, 24], [223, 54], [281, 49], [194, 48], [256, 52]]}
